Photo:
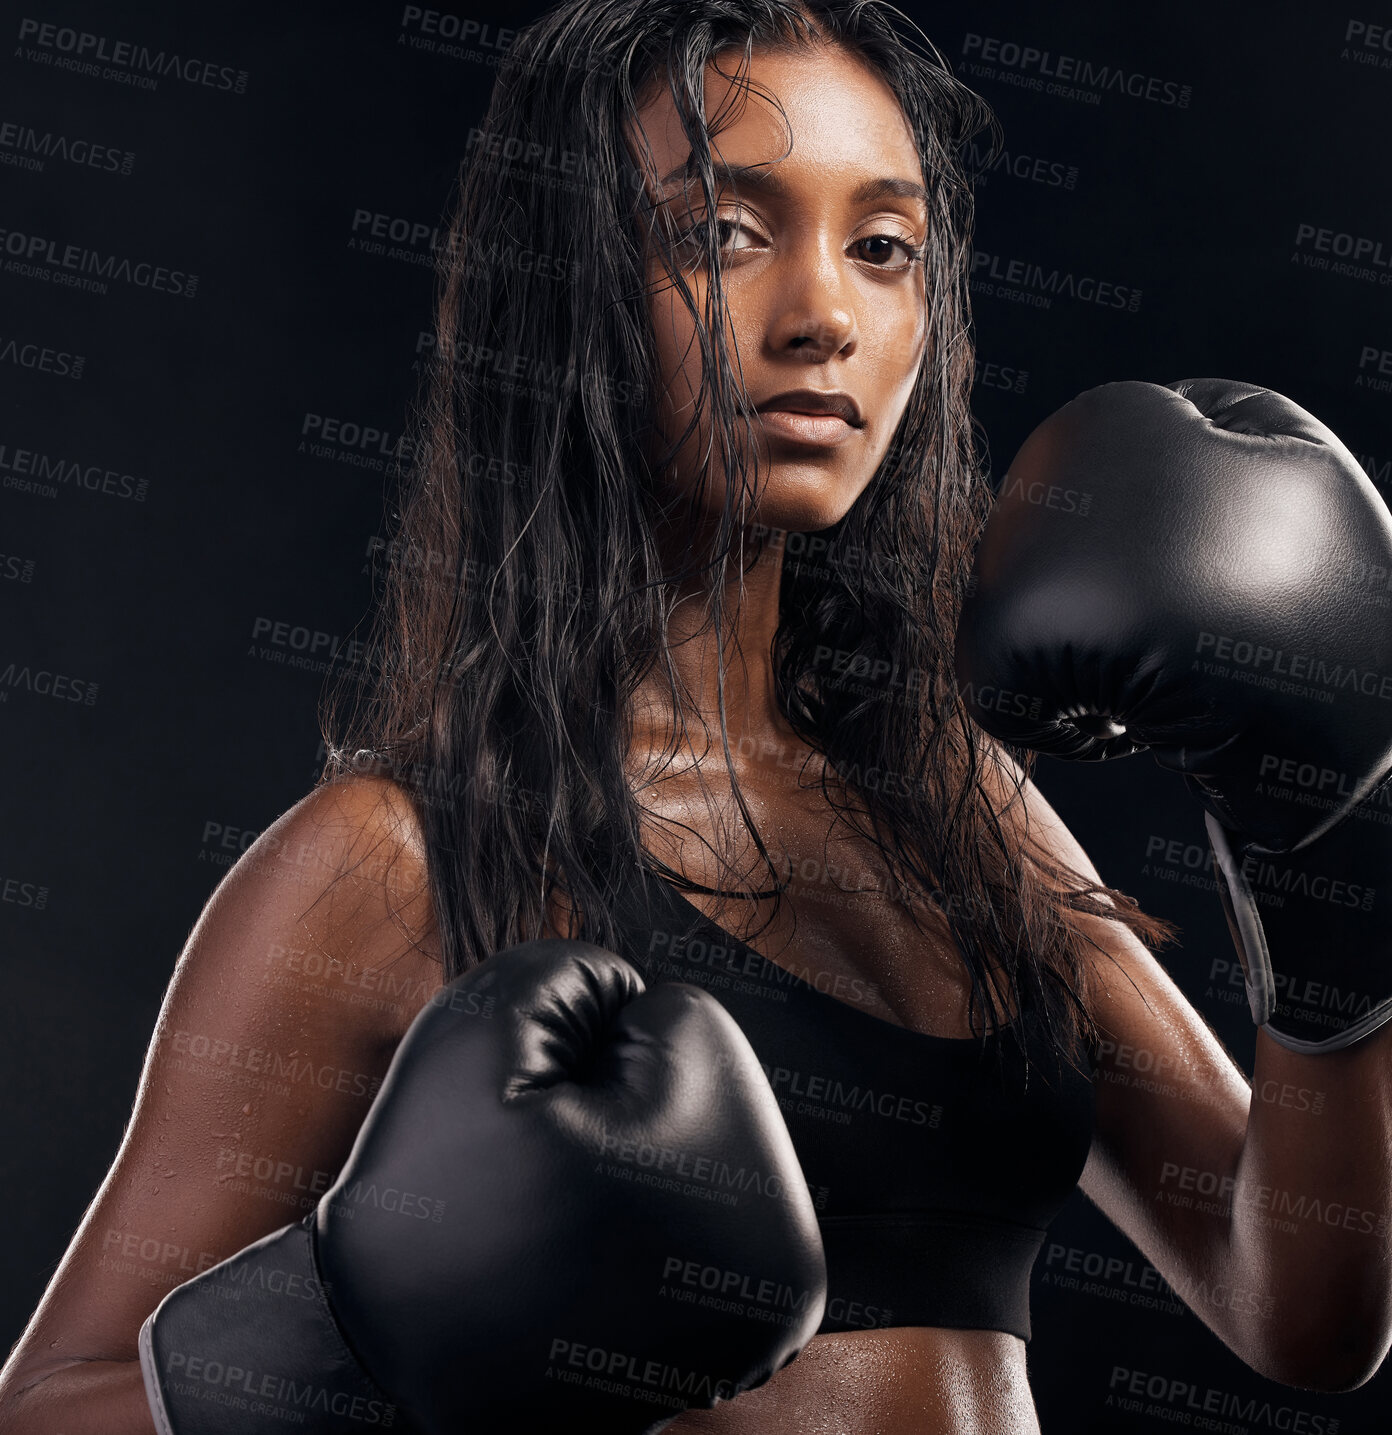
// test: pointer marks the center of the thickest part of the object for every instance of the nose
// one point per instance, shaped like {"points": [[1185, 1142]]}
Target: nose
{"points": [[813, 315]]}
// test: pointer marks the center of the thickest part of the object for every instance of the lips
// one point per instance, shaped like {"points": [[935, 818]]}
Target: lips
{"points": [[830, 402], [810, 419]]}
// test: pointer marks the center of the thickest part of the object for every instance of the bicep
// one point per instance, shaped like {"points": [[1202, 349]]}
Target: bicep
{"points": [[1170, 1116], [278, 1024], [1171, 1103]]}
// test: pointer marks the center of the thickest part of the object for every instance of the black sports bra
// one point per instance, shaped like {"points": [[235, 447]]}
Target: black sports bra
{"points": [[934, 1170]]}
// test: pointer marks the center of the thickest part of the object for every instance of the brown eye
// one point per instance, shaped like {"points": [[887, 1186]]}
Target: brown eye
{"points": [[731, 234], [879, 249], [726, 231]]}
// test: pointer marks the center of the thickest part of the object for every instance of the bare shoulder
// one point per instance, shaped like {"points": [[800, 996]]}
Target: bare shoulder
{"points": [[343, 878], [283, 1010]]}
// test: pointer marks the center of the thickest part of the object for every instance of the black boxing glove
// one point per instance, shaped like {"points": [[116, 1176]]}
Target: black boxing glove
{"points": [[1214, 588], [1316, 970], [553, 1148]]}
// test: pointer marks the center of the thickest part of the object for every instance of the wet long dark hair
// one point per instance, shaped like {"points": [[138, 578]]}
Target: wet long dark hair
{"points": [[524, 598]]}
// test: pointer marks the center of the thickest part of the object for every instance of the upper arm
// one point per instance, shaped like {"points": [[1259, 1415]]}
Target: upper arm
{"points": [[1171, 1103], [286, 1004]]}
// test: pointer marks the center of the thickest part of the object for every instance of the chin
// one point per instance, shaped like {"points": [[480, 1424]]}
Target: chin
{"points": [[805, 498]]}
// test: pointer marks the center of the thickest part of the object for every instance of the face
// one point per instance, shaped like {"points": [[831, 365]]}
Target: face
{"points": [[823, 277]]}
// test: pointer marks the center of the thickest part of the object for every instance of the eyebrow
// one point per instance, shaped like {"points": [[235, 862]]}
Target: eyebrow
{"points": [[762, 179]]}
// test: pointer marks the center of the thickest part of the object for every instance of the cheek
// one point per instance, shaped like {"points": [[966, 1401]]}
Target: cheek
{"points": [[903, 336], [678, 353]]}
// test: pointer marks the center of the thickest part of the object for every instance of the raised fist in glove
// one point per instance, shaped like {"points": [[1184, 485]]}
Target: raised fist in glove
{"points": [[1202, 569]]}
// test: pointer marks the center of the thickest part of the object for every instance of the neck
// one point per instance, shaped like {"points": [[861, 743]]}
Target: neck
{"points": [[749, 619]]}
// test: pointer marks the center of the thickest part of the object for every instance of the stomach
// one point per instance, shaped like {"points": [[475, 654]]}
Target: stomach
{"points": [[905, 1380]]}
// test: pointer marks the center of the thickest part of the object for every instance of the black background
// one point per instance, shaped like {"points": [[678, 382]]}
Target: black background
{"points": [[153, 595]]}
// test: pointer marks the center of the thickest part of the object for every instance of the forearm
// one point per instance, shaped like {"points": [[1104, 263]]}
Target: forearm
{"points": [[1311, 1208], [93, 1397]]}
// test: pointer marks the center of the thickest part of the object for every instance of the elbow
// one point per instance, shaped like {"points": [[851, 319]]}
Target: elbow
{"points": [[1332, 1359], [1326, 1378], [1337, 1377]]}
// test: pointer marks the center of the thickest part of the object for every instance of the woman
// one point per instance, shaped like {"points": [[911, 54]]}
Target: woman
{"points": [[674, 592]]}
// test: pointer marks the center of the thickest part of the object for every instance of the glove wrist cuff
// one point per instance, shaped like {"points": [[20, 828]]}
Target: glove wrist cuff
{"points": [[1312, 929], [253, 1343]]}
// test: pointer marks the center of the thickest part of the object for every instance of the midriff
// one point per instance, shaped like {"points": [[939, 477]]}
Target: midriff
{"points": [[911, 1380]]}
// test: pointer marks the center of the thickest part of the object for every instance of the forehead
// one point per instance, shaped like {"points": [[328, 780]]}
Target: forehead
{"points": [[838, 116]]}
